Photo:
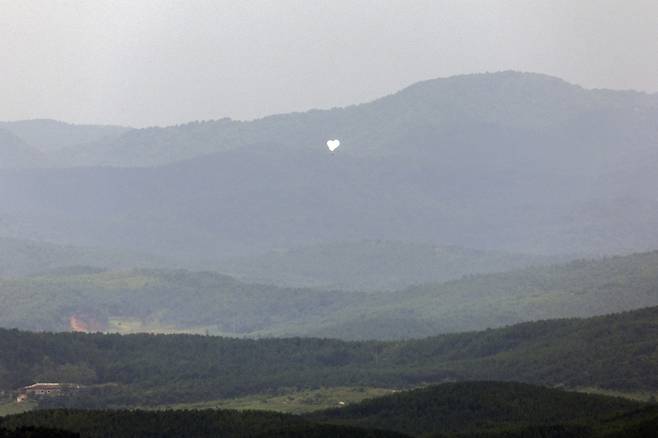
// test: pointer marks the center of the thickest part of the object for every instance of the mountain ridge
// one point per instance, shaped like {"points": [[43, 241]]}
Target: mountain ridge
{"points": [[239, 133], [498, 162]]}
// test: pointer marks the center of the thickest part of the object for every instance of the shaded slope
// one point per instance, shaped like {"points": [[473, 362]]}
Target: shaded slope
{"points": [[478, 406]]}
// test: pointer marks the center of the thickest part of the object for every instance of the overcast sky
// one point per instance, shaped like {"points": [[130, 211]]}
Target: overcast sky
{"points": [[148, 62]]}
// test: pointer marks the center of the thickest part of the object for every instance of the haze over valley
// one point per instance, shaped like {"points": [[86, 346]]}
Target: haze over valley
{"points": [[375, 219]]}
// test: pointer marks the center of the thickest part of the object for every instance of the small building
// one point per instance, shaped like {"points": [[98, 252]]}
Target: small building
{"points": [[38, 390], [43, 389]]}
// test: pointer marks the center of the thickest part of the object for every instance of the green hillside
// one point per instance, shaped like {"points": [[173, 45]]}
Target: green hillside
{"points": [[614, 352], [577, 289], [169, 301]]}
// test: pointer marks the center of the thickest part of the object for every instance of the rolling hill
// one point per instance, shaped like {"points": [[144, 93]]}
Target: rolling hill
{"points": [[206, 302]]}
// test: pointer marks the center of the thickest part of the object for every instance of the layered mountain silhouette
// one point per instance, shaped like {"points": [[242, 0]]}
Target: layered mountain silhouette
{"points": [[507, 161]]}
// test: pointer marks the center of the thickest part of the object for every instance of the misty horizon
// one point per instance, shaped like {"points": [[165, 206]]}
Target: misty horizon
{"points": [[158, 63], [100, 123]]}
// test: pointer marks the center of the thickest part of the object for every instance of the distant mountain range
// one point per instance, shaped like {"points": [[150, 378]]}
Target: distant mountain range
{"points": [[509, 161]]}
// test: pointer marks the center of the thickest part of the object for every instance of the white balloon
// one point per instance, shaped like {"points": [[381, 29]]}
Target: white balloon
{"points": [[333, 144]]}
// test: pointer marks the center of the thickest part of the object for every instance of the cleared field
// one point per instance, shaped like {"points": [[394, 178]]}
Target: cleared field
{"points": [[296, 402]]}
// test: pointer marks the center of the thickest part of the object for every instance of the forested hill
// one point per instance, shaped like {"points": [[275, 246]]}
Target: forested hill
{"points": [[616, 351], [169, 301]]}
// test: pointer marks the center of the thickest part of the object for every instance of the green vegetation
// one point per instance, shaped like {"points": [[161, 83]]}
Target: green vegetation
{"points": [[456, 410], [613, 352], [190, 424], [13, 408], [295, 402], [169, 301]]}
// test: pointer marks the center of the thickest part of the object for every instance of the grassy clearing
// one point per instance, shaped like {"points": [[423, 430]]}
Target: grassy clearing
{"points": [[293, 402], [126, 326], [13, 408]]}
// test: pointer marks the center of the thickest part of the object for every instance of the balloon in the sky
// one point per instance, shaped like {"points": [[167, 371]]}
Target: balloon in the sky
{"points": [[333, 144]]}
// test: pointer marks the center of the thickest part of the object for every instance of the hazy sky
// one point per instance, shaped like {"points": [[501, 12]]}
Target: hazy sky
{"points": [[140, 62]]}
